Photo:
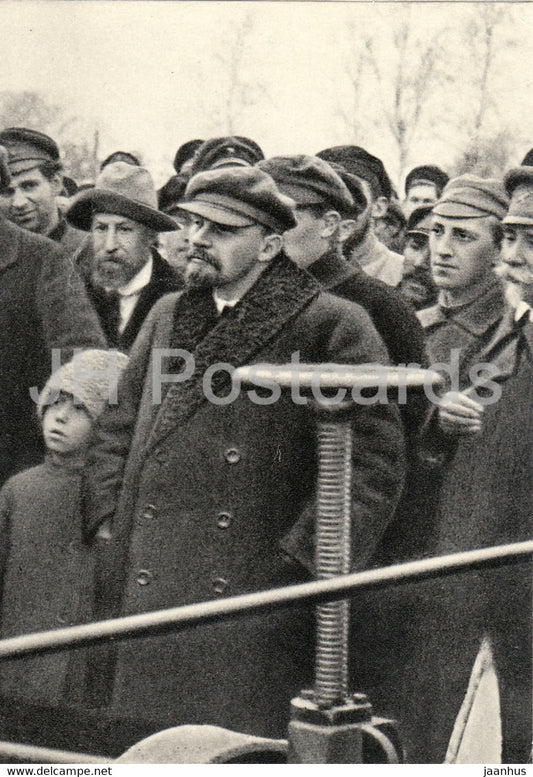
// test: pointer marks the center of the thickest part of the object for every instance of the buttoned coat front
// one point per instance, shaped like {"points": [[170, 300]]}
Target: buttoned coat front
{"points": [[217, 499]]}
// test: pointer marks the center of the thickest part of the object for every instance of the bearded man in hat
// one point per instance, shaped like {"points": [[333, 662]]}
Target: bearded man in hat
{"points": [[33, 197], [210, 492], [417, 282], [124, 273], [362, 247], [43, 306]]}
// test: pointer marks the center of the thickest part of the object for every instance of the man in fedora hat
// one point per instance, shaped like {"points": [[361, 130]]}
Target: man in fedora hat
{"points": [[211, 492], [125, 275], [33, 198]]}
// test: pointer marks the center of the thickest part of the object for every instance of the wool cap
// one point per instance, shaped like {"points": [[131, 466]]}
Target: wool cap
{"points": [[239, 197], [420, 220], [91, 377], [224, 152], [309, 180], [185, 153], [27, 148], [427, 174], [519, 186], [120, 156], [122, 189], [5, 178], [358, 161], [469, 196]]}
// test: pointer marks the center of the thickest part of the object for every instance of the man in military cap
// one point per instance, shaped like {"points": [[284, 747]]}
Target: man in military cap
{"points": [[124, 273], [423, 186], [362, 247], [31, 200], [417, 282], [211, 492]]}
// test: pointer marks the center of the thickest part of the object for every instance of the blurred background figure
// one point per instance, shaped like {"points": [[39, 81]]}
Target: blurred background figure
{"points": [[423, 186], [173, 245], [232, 151], [417, 283], [390, 228]]}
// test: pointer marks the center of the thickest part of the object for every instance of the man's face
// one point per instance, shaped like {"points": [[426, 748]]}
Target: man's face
{"points": [[517, 255], [174, 245], [221, 256], [417, 283], [121, 247], [30, 201], [463, 251], [304, 244], [418, 196]]}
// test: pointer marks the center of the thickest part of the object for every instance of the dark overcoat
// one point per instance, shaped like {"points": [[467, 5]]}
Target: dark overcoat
{"points": [[43, 305], [217, 499]]}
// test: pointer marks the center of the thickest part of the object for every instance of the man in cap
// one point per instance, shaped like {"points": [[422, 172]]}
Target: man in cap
{"points": [[32, 199], [226, 152], [184, 155], [417, 283], [423, 186], [43, 307], [216, 495], [482, 497], [328, 202], [362, 247], [124, 273], [390, 228]]}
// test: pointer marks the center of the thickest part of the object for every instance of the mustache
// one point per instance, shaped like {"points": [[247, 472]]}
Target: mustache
{"points": [[201, 253]]}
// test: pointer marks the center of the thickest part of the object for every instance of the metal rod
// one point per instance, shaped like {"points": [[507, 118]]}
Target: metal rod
{"points": [[176, 618], [32, 754]]}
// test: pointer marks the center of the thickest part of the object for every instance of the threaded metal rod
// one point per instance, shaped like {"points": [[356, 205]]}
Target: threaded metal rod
{"points": [[333, 558]]}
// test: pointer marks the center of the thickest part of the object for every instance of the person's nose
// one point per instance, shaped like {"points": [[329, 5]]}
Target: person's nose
{"points": [[512, 253], [19, 200], [61, 412], [111, 243], [199, 236], [443, 246]]}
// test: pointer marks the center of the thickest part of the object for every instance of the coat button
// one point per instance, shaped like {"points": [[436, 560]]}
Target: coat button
{"points": [[224, 520], [144, 577], [232, 455], [161, 456], [219, 585], [149, 512]]}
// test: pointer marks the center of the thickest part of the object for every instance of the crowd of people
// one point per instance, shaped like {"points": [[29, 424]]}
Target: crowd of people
{"points": [[134, 479]]}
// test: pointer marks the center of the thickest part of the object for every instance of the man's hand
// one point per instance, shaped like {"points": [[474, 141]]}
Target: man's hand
{"points": [[459, 414]]}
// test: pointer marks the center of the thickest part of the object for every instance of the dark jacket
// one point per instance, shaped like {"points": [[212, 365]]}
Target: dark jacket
{"points": [[69, 238], [164, 279], [42, 306], [217, 499]]}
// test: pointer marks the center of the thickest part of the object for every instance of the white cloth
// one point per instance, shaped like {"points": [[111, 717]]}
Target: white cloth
{"points": [[129, 294], [223, 303]]}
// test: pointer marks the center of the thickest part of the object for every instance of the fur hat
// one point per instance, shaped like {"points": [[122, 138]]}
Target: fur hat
{"points": [[91, 377]]}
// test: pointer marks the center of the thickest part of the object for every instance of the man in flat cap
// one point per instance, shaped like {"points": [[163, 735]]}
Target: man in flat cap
{"points": [[362, 247], [230, 151], [328, 202], [423, 186], [32, 199], [43, 306], [212, 491], [417, 283], [124, 273]]}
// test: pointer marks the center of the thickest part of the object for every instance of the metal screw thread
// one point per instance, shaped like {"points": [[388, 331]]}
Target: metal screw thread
{"points": [[333, 558]]}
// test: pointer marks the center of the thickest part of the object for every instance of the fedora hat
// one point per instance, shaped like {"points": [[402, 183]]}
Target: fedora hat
{"points": [[124, 190]]}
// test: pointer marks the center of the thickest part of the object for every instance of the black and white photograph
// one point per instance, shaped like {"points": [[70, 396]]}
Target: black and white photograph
{"points": [[266, 359]]}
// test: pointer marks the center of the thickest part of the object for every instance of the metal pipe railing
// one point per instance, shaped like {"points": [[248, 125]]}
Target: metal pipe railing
{"points": [[46, 755], [176, 618]]}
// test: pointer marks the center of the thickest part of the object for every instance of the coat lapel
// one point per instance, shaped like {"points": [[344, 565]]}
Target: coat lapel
{"points": [[279, 295], [11, 238]]}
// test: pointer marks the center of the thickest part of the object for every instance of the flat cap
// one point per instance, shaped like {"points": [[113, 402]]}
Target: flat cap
{"points": [[225, 152], [427, 174], [27, 148], [354, 186], [309, 180], [519, 186], [185, 153], [120, 156], [469, 196], [239, 197], [358, 161], [419, 222]]}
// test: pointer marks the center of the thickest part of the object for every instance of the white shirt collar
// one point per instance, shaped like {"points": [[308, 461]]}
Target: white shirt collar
{"points": [[223, 303], [139, 281], [522, 310]]}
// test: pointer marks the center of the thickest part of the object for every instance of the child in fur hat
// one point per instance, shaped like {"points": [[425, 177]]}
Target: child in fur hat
{"points": [[46, 567]]}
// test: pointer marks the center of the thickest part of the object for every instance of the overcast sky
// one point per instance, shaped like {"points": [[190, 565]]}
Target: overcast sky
{"points": [[143, 72]]}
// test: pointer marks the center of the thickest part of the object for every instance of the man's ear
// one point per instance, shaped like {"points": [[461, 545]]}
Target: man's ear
{"points": [[380, 207], [56, 182], [346, 228], [272, 245], [331, 220]]}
